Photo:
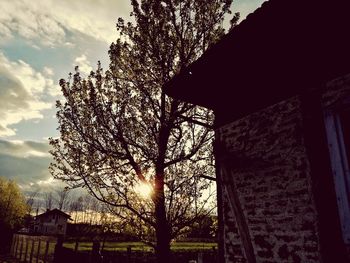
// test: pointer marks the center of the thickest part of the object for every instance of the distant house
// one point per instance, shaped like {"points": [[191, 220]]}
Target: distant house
{"points": [[279, 85], [52, 222]]}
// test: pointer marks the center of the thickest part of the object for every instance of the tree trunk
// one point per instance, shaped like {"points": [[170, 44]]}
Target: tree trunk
{"points": [[162, 226]]}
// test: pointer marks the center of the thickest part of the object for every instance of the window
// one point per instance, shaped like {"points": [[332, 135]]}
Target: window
{"points": [[337, 123]]}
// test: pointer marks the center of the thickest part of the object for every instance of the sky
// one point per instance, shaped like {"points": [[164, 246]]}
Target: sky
{"points": [[41, 41]]}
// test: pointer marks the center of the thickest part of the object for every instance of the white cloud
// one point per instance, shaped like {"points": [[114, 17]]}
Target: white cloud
{"points": [[47, 21], [5, 33], [96, 18], [48, 71], [24, 149], [53, 89], [21, 93], [31, 20], [84, 64], [25, 161]]}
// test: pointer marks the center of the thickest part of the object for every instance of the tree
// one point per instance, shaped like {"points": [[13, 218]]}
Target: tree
{"points": [[49, 200], [204, 229], [85, 209], [120, 131], [31, 200], [62, 198], [12, 210], [76, 206]]}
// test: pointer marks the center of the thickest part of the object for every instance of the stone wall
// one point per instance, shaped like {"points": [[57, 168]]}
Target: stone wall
{"points": [[272, 175]]}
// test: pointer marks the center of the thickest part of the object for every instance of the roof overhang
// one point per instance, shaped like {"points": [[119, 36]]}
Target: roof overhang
{"points": [[54, 211], [284, 48]]}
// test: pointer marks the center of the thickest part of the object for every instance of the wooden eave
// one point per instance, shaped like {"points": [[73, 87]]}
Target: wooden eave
{"points": [[284, 48], [54, 211]]}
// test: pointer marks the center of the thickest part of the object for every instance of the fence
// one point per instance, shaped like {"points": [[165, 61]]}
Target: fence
{"points": [[33, 249], [130, 256], [45, 249]]}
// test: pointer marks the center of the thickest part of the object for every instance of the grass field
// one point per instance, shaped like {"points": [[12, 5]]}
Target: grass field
{"points": [[123, 246]]}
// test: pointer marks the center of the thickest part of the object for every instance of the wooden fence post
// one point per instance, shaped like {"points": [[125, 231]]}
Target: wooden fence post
{"points": [[215, 254], [95, 253], [38, 252], [13, 244], [21, 249], [76, 246], [46, 251], [58, 250], [26, 253], [16, 248], [129, 254], [13, 241], [32, 251], [200, 257]]}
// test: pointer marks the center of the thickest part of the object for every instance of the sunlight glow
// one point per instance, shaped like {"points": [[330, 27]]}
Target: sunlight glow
{"points": [[144, 190]]}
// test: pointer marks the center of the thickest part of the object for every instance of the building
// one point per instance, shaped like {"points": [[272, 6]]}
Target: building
{"points": [[52, 222], [279, 86]]}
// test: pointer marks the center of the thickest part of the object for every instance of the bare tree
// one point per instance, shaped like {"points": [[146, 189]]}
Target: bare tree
{"points": [[49, 201], [62, 198], [31, 200], [75, 207], [121, 133]]}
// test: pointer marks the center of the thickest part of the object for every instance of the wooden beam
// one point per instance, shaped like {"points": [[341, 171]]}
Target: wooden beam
{"points": [[229, 187]]}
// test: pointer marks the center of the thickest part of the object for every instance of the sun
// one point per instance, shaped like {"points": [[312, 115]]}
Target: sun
{"points": [[144, 190]]}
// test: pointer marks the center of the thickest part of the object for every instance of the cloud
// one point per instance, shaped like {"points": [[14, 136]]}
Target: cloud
{"points": [[48, 71], [53, 89], [31, 21], [47, 21], [84, 64], [26, 162], [24, 149], [21, 94]]}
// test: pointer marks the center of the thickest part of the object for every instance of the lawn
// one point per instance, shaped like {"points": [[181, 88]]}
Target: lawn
{"points": [[139, 246], [193, 246]]}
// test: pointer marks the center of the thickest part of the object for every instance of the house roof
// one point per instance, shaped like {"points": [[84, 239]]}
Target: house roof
{"points": [[284, 48], [53, 211]]}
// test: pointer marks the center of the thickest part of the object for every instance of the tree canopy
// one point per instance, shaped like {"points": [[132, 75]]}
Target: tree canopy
{"points": [[12, 204], [119, 130], [13, 208]]}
